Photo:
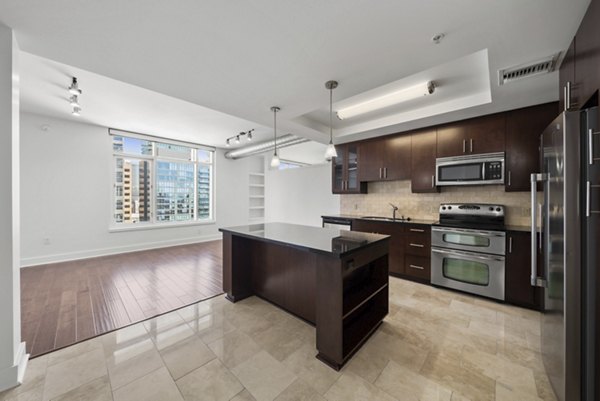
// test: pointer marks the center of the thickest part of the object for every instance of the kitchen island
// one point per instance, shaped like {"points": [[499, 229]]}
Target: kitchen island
{"points": [[334, 279]]}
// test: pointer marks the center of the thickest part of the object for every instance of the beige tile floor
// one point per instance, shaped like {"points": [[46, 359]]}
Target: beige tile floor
{"points": [[434, 345]]}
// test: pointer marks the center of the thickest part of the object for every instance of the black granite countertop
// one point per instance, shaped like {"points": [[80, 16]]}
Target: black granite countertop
{"points": [[357, 217], [328, 241]]}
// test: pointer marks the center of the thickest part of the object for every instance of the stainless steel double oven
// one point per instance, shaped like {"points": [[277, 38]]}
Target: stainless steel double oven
{"points": [[468, 249]]}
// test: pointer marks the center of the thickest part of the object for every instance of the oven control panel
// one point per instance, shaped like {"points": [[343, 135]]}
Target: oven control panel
{"points": [[472, 209]]}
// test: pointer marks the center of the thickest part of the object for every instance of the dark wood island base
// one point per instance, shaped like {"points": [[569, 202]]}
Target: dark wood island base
{"points": [[336, 280]]}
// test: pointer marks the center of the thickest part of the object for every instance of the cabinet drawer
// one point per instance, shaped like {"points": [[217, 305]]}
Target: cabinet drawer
{"points": [[418, 244], [417, 267]]}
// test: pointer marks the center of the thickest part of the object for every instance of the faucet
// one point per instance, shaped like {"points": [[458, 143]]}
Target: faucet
{"points": [[394, 210]]}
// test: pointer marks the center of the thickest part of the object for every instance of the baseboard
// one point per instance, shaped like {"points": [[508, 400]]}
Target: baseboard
{"points": [[93, 253], [13, 375]]}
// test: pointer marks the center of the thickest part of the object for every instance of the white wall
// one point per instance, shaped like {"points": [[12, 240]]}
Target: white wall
{"points": [[13, 359], [66, 187], [300, 195]]}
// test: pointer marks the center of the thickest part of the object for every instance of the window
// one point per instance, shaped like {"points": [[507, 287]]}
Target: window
{"points": [[158, 182]]}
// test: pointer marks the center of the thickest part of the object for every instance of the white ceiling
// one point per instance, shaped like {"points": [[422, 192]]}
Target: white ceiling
{"points": [[111, 103], [240, 58]]}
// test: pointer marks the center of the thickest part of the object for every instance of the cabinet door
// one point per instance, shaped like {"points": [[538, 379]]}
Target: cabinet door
{"points": [[397, 158], [338, 178], [395, 231], [451, 140], [486, 134], [587, 57], [372, 155], [352, 183], [422, 169], [523, 130], [518, 288], [567, 74]]}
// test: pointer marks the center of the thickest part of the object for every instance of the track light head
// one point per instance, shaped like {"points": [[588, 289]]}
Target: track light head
{"points": [[74, 88], [76, 111]]}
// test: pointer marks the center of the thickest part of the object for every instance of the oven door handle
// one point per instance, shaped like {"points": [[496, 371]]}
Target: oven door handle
{"points": [[468, 231], [470, 255]]}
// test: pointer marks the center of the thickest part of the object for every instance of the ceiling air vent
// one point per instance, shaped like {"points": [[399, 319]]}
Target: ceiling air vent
{"points": [[539, 67]]}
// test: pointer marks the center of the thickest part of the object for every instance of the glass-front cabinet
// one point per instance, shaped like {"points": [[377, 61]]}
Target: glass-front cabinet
{"points": [[345, 169]]}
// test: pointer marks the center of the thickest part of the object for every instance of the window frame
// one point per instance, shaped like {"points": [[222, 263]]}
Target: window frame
{"points": [[154, 158]]}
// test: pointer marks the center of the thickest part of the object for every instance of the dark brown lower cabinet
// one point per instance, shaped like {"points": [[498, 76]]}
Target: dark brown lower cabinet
{"points": [[396, 231], [518, 289], [410, 247], [417, 253]]}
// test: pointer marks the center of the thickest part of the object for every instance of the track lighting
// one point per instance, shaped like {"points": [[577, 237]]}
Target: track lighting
{"points": [[330, 152], [76, 111], [237, 139], [74, 88], [74, 101], [275, 158]]}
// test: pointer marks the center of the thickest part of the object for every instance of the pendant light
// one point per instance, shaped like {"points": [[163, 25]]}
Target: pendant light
{"points": [[275, 158], [330, 152]]}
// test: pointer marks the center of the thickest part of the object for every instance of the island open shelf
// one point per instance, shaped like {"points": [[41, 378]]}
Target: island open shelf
{"points": [[334, 279]]}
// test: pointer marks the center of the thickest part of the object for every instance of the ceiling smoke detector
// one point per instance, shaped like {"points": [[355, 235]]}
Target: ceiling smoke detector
{"points": [[539, 67]]}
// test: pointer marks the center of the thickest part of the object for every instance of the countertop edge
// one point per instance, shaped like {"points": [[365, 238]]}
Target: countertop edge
{"points": [[304, 248]]}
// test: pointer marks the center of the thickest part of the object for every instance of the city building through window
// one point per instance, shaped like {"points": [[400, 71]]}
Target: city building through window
{"points": [[158, 182]]}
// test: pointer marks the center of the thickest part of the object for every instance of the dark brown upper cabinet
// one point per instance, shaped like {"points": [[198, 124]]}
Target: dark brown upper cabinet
{"points": [[486, 134], [345, 171], [523, 130], [422, 169], [566, 78], [478, 135], [451, 139], [385, 159], [587, 53]]}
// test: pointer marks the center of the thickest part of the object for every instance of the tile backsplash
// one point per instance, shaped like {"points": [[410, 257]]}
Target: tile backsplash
{"points": [[426, 206]]}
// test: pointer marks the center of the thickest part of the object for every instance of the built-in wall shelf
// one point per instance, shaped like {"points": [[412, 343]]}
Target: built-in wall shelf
{"points": [[256, 197]]}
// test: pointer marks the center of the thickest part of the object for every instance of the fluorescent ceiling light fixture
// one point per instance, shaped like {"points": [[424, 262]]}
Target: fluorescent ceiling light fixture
{"points": [[403, 95]]}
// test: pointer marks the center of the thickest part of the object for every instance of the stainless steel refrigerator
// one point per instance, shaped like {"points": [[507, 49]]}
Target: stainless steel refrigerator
{"points": [[564, 251]]}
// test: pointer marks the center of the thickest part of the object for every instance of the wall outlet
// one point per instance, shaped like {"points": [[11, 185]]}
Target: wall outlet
{"points": [[46, 241]]}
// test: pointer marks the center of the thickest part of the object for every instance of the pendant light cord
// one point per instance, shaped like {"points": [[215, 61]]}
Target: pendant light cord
{"points": [[275, 128], [331, 115]]}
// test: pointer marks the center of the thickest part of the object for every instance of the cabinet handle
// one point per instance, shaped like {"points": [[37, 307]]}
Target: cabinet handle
{"points": [[509, 244], [417, 245], [417, 230], [417, 267], [380, 172], [568, 95], [433, 181], [509, 178], [566, 106], [591, 146], [385, 172], [471, 144], [587, 198], [464, 145]]}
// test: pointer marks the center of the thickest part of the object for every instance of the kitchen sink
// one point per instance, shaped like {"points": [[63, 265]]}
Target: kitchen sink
{"points": [[379, 218]]}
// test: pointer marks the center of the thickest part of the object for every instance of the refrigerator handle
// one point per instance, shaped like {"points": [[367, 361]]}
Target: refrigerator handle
{"points": [[535, 280]]}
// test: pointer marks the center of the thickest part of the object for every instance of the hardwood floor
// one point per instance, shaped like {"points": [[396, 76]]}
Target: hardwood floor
{"points": [[64, 303]]}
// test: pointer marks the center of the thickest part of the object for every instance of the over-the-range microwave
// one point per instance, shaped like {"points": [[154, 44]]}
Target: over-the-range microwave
{"points": [[478, 169]]}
